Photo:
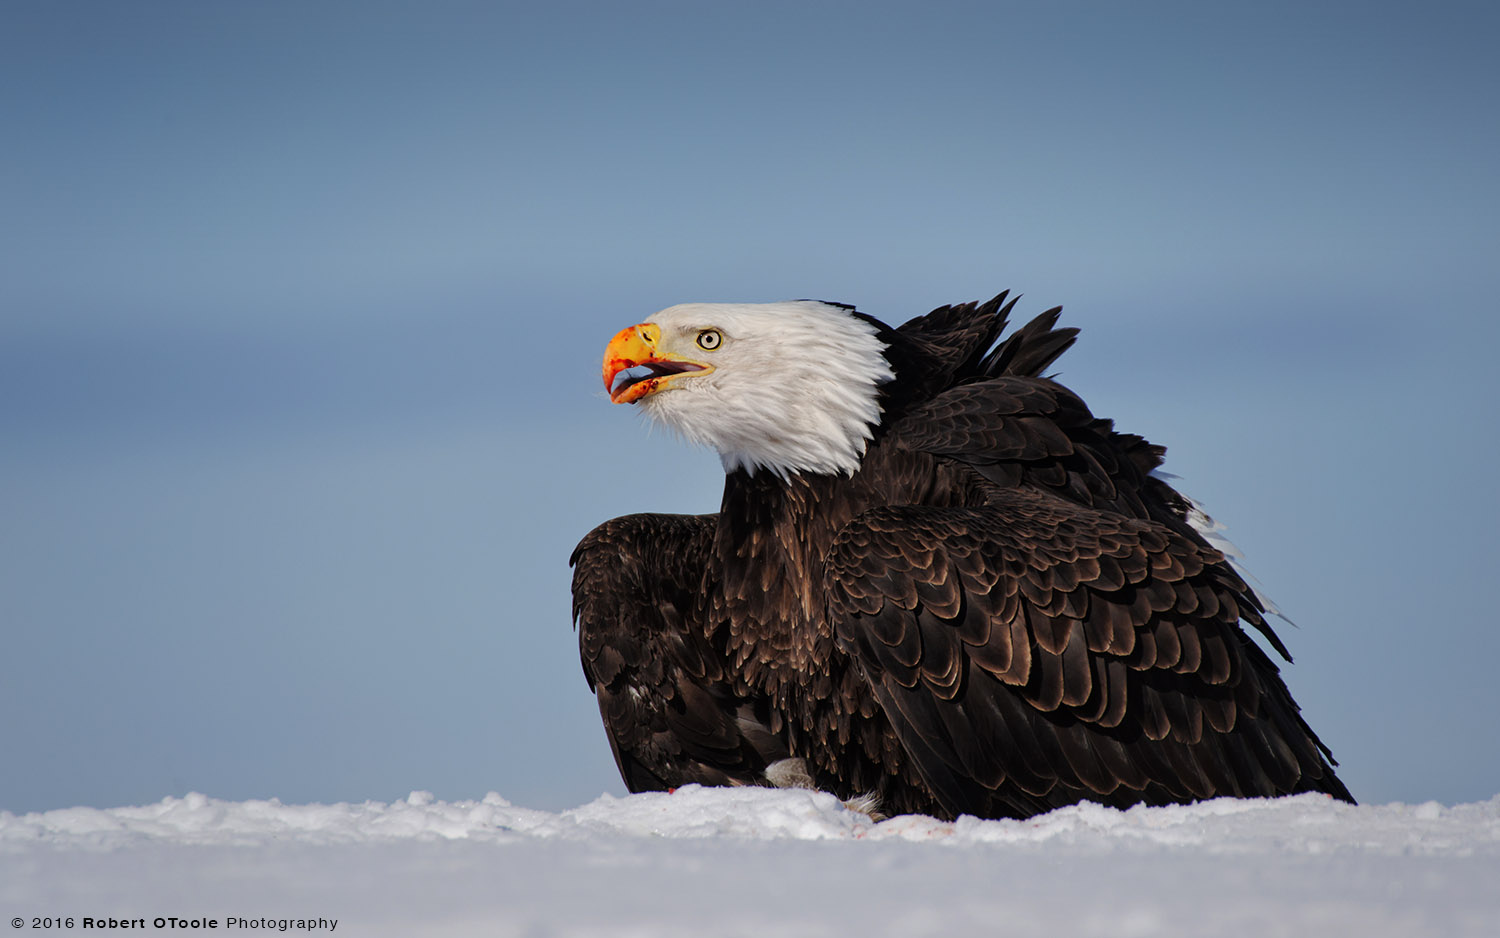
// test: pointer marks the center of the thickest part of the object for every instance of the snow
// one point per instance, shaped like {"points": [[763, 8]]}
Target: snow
{"points": [[731, 862]]}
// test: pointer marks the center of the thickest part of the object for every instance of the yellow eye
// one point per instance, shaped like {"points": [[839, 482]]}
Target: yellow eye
{"points": [[710, 339]]}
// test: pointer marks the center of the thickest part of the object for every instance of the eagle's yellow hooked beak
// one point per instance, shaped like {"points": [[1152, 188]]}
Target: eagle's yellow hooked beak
{"points": [[636, 365]]}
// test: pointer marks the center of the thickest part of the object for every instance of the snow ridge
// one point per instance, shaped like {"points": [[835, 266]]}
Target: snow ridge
{"points": [[1303, 823]]}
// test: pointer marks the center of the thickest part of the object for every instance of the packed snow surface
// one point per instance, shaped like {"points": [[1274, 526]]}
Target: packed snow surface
{"points": [[731, 862]]}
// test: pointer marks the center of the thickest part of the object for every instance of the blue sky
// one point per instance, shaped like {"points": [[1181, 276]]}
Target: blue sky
{"points": [[301, 310]]}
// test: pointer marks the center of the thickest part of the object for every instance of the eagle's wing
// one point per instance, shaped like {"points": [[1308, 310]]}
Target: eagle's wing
{"points": [[1064, 633], [671, 717], [1031, 653]]}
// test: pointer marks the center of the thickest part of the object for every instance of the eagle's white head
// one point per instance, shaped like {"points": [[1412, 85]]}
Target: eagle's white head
{"points": [[787, 387]]}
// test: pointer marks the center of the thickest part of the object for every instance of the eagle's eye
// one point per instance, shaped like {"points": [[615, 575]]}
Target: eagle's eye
{"points": [[710, 339]]}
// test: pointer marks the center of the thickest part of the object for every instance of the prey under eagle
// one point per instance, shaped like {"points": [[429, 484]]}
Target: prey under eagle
{"points": [[936, 581]]}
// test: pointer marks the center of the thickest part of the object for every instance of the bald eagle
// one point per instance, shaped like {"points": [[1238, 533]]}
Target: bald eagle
{"points": [[936, 580]]}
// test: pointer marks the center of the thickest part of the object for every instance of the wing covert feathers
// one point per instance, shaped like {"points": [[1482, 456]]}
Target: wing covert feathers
{"points": [[1043, 652]]}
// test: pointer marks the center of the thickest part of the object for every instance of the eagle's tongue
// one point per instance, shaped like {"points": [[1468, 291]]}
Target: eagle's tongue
{"points": [[628, 376]]}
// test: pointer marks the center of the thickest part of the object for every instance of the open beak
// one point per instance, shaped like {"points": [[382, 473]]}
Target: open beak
{"points": [[634, 366]]}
